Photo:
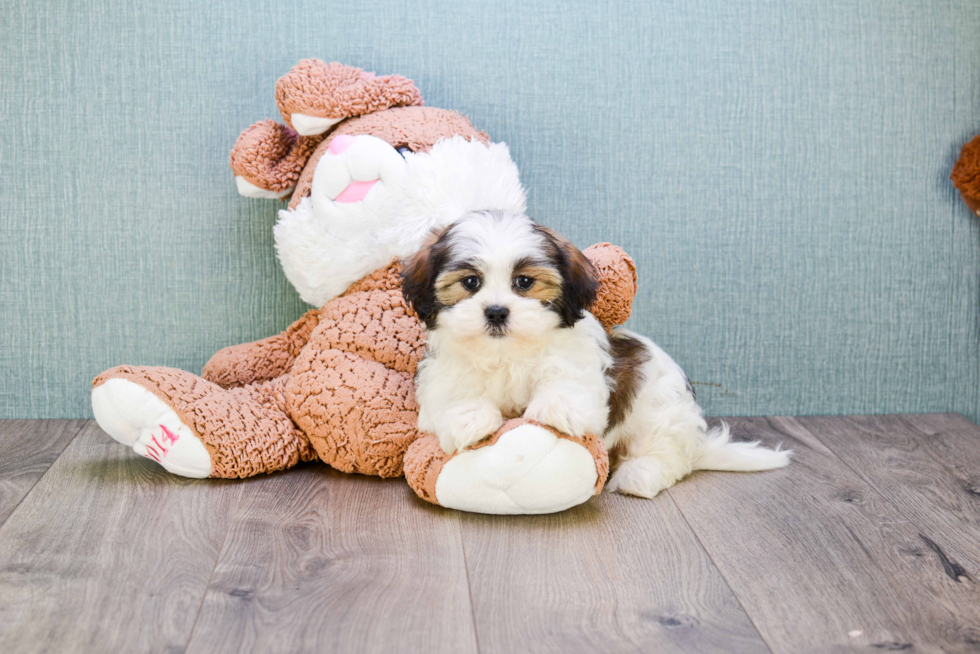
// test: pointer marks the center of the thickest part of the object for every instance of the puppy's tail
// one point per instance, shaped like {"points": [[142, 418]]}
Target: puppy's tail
{"points": [[718, 452]]}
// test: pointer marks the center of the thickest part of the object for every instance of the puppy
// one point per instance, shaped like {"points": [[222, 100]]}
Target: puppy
{"points": [[504, 301]]}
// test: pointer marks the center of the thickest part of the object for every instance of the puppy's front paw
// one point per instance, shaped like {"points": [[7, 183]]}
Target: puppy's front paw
{"points": [[465, 425], [555, 411]]}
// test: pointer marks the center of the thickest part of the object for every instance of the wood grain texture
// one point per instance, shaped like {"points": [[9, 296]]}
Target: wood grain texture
{"points": [[109, 553], [867, 541], [820, 560], [928, 466], [318, 560], [27, 450], [617, 574]]}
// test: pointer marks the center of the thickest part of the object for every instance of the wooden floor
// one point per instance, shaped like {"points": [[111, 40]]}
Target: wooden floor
{"points": [[869, 541]]}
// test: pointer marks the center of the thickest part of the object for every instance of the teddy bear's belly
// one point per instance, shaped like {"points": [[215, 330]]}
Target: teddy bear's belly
{"points": [[351, 389], [377, 325]]}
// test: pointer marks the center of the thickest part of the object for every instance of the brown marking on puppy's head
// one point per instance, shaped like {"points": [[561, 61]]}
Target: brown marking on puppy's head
{"points": [[495, 257], [579, 284], [546, 282], [420, 273]]}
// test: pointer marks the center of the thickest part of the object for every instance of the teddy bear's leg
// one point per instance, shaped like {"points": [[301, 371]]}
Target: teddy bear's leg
{"points": [[195, 428], [263, 360], [524, 468], [314, 96], [360, 415]]}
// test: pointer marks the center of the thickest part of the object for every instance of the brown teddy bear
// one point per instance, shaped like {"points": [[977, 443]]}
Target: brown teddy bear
{"points": [[370, 172]]}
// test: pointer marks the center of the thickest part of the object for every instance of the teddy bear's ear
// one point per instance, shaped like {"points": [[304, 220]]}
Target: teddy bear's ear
{"points": [[966, 174], [315, 96], [268, 158]]}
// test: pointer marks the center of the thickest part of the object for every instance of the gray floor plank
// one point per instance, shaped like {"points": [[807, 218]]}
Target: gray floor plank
{"points": [[928, 466], [109, 553], [318, 560], [820, 560], [27, 450], [617, 574]]}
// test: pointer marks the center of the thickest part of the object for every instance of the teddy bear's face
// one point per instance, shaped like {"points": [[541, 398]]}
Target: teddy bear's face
{"points": [[371, 172], [375, 188]]}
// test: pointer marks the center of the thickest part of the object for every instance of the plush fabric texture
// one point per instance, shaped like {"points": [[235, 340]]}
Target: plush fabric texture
{"points": [[416, 128], [263, 360], [352, 389], [245, 430], [616, 273], [271, 156], [333, 90], [966, 174], [425, 459]]}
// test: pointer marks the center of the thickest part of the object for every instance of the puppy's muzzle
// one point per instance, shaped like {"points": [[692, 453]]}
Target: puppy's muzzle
{"points": [[496, 315]]}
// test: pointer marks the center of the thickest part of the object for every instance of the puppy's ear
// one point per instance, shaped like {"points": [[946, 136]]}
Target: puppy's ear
{"points": [[420, 273], [579, 280]]}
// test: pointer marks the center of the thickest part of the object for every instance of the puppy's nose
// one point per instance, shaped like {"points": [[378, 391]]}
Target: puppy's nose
{"points": [[496, 315]]}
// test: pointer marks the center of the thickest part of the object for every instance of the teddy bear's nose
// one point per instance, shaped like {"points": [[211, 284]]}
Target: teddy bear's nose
{"points": [[340, 143]]}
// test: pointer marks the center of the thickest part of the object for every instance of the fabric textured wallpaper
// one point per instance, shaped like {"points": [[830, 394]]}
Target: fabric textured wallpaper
{"points": [[779, 171]]}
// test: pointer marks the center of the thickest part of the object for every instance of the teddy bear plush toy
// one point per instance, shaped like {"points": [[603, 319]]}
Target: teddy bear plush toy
{"points": [[369, 172]]}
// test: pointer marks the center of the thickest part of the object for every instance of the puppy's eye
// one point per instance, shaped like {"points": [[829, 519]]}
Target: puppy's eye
{"points": [[471, 283], [523, 282]]}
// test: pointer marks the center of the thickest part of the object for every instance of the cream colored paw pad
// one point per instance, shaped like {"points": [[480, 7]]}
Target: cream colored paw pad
{"points": [[136, 417], [528, 470]]}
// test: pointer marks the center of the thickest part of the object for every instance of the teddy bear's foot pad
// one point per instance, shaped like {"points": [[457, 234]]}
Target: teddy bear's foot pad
{"points": [[528, 470], [136, 417]]}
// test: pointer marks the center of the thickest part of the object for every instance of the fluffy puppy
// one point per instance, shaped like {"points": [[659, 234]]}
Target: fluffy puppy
{"points": [[504, 301]]}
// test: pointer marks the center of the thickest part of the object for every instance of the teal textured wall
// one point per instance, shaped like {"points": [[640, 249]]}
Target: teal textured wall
{"points": [[779, 171]]}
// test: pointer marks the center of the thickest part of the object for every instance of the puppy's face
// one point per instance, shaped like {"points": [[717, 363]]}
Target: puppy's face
{"points": [[495, 275]]}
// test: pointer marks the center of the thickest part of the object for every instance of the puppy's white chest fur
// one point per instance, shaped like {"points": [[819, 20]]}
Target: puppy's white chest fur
{"points": [[511, 374], [559, 381]]}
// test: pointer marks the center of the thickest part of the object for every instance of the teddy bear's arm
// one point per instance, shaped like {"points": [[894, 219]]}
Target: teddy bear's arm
{"points": [[616, 274], [262, 360]]}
